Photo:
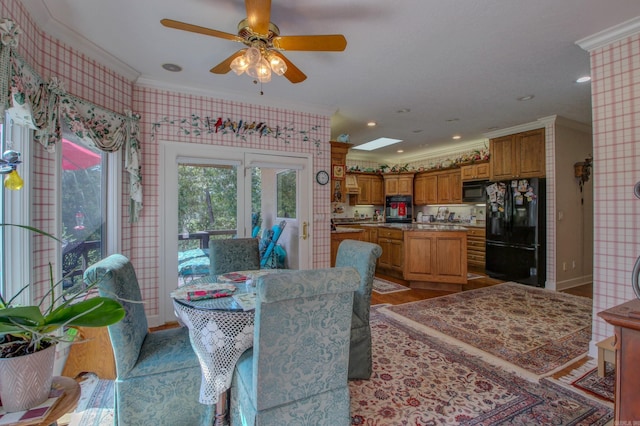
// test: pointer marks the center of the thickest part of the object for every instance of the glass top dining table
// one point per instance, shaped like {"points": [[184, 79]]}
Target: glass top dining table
{"points": [[220, 329]]}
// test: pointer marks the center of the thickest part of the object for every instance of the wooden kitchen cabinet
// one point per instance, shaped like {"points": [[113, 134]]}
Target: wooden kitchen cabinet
{"points": [[425, 189], [476, 251], [518, 156], [478, 171], [626, 321], [438, 188], [436, 259], [371, 190], [398, 183], [339, 152], [392, 244]]}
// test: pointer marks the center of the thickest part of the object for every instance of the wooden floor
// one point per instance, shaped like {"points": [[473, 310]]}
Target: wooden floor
{"points": [[415, 294]]}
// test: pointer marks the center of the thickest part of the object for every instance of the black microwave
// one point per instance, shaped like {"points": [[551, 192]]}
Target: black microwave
{"points": [[474, 192]]}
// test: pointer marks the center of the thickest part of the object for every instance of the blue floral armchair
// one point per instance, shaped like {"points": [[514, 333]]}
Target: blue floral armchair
{"points": [[158, 374], [362, 256], [296, 372]]}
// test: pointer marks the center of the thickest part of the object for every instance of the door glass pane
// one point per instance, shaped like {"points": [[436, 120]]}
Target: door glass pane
{"points": [[207, 209], [83, 208], [286, 192]]}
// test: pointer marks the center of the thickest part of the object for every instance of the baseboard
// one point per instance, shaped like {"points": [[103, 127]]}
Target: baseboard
{"points": [[573, 282]]}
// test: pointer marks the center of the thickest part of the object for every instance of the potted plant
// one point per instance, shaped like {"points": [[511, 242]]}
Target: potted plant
{"points": [[29, 335]]}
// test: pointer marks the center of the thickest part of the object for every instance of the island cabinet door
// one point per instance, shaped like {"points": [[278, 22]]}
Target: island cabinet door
{"points": [[436, 257]]}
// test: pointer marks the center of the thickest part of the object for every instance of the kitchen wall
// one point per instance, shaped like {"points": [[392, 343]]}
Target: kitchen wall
{"points": [[615, 73]]}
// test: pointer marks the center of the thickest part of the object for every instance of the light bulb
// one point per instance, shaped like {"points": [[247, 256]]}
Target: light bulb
{"points": [[277, 65], [253, 55], [239, 64], [13, 181], [260, 71]]}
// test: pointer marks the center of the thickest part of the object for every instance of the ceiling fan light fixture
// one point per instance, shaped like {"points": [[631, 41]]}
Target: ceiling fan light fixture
{"points": [[277, 65], [239, 64], [260, 71], [253, 55]]}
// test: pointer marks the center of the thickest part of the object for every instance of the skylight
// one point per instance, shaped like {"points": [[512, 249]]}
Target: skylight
{"points": [[377, 143]]}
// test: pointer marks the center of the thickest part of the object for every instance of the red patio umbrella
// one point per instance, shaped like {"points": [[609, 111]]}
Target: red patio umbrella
{"points": [[76, 157]]}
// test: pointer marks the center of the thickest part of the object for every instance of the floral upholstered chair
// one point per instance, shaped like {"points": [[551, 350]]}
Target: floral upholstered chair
{"points": [[362, 256], [158, 374], [296, 372], [233, 254]]}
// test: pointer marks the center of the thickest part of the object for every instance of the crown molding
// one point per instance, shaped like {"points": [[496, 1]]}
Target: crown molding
{"points": [[205, 91], [610, 35], [38, 10]]}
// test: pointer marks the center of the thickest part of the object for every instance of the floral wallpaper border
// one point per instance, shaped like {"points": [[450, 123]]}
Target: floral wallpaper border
{"points": [[196, 125]]}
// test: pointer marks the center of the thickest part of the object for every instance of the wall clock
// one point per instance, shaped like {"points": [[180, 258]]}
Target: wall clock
{"points": [[322, 177]]}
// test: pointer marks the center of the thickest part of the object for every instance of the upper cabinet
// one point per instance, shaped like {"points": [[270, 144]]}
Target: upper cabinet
{"points": [[478, 171], [438, 188], [521, 155], [371, 188], [398, 184]]}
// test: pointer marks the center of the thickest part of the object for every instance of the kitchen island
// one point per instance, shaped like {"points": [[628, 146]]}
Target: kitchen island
{"points": [[427, 255]]}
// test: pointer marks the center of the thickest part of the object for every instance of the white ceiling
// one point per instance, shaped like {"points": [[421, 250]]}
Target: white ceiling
{"points": [[467, 60]]}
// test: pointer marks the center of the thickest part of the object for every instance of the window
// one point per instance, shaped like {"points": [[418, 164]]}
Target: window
{"points": [[286, 193], [83, 207]]}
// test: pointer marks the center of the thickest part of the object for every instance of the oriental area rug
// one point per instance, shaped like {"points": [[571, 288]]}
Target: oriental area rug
{"points": [[530, 331], [384, 287], [419, 380]]}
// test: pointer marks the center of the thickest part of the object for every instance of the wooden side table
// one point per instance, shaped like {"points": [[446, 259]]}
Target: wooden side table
{"points": [[626, 320], [67, 402], [93, 354]]}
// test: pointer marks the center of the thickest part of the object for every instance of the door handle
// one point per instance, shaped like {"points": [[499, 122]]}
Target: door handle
{"points": [[305, 228]]}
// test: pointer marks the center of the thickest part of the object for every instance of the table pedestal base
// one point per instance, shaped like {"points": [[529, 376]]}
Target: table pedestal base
{"points": [[221, 410]]}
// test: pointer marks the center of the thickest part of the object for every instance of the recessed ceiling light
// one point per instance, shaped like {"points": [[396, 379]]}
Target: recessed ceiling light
{"points": [[526, 98], [583, 79], [378, 143], [172, 67], [456, 137], [418, 131], [451, 120], [400, 151], [372, 124], [403, 110]]}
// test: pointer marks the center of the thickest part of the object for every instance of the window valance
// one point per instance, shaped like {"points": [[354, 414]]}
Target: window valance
{"points": [[41, 106]]}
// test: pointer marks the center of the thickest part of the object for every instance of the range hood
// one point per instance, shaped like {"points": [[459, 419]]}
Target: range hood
{"points": [[351, 185]]}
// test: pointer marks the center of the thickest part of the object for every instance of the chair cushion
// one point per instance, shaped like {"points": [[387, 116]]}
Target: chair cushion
{"points": [[163, 351]]}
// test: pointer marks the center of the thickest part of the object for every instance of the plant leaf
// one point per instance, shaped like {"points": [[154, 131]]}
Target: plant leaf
{"points": [[93, 312]]}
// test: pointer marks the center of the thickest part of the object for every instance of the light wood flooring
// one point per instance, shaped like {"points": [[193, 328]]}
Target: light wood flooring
{"points": [[417, 294]]}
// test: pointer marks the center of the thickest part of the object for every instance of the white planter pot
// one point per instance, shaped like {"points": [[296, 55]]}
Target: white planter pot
{"points": [[25, 381]]}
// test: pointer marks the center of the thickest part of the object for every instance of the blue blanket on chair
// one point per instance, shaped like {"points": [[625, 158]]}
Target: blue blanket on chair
{"points": [[193, 262]]}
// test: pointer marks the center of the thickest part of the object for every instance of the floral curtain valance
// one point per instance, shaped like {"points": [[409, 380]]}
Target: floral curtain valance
{"points": [[41, 106]]}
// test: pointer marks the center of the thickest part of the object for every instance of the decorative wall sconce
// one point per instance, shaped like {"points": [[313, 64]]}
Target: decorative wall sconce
{"points": [[582, 171], [8, 165]]}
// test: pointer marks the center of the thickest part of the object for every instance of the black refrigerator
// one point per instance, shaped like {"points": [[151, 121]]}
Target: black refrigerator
{"points": [[516, 231]]}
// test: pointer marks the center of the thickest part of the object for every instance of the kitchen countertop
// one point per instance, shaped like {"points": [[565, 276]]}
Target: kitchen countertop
{"points": [[345, 222], [420, 226], [345, 229]]}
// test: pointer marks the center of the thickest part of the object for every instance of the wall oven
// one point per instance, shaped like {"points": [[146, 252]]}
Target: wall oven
{"points": [[398, 209], [474, 192]]}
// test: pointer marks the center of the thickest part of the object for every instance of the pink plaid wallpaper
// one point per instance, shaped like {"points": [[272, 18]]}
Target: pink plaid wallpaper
{"points": [[615, 72], [169, 109]]}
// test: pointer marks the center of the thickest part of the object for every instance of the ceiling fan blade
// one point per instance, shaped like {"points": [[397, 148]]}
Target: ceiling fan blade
{"points": [[259, 15], [293, 74], [225, 66], [330, 42], [170, 23]]}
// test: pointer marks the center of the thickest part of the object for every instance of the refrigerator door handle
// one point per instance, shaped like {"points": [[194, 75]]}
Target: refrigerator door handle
{"points": [[501, 244]]}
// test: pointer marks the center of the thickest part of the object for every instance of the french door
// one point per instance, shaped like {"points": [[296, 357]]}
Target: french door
{"points": [[212, 192]]}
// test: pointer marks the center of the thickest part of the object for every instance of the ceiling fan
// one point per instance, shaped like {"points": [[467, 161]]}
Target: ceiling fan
{"points": [[264, 44]]}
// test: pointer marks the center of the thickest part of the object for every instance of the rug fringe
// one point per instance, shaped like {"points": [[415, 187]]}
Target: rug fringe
{"points": [[485, 356]]}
